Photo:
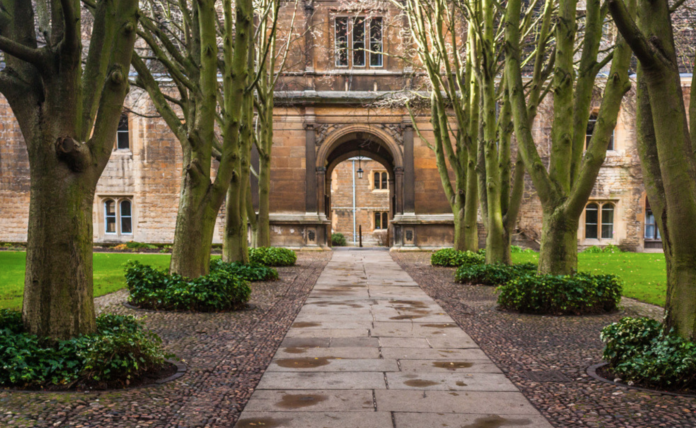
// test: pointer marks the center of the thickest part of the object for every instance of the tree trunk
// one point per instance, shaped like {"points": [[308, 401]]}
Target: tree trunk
{"points": [[559, 243], [264, 223], [193, 236], [58, 299]]}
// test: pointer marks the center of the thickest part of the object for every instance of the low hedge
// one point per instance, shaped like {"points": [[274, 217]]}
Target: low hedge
{"points": [[493, 274], [272, 256], [338, 240], [155, 289], [452, 258], [120, 352], [640, 350], [578, 294], [250, 272]]}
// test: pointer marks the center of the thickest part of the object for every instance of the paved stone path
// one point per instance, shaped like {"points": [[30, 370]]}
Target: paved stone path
{"points": [[370, 349]]}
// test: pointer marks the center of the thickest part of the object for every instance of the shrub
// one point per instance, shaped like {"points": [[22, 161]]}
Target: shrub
{"points": [[639, 350], [250, 272], [139, 246], [117, 353], [578, 294], [154, 289], [272, 256], [611, 248], [338, 240], [517, 249], [493, 274], [453, 258]]}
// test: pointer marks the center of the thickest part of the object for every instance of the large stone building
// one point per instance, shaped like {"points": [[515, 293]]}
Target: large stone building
{"points": [[325, 115]]}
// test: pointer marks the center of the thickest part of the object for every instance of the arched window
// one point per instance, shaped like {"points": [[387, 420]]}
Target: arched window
{"points": [[110, 216], [123, 136], [126, 218], [607, 221], [591, 220]]}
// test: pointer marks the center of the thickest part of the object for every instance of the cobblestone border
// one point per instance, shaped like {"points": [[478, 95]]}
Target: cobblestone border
{"points": [[592, 372]]}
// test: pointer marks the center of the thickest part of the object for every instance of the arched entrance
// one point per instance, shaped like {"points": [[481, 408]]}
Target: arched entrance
{"points": [[365, 141]]}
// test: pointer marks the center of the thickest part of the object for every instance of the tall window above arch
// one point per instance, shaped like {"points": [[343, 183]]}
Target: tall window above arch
{"points": [[359, 42], [123, 135], [591, 125], [109, 216], [591, 221], [341, 42], [376, 44], [607, 221], [126, 218]]}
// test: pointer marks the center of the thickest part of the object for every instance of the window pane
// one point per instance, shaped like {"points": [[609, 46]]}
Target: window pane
{"points": [[342, 42], [377, 180], [125, 209], [359, 42], [376, 42], [590, 129], [385, 220], [608, 221], [591, 231], [650, 231], [591, 221], [126, 225], [384, 180], [111, 225], [377, 221], [110, 208], [122, 135], [611, 142]]}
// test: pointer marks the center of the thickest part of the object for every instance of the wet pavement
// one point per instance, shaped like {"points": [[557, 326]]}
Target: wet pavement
{"points": [[370, 349]]}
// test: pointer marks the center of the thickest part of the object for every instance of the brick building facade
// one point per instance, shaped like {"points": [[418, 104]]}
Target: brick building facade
{"points": [[325, 115]]}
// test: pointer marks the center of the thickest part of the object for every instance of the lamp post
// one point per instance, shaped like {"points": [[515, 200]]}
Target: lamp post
{"points": [[360, 170]]}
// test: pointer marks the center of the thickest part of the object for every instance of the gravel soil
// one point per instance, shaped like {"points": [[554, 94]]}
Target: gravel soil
{"points": [[560, 346], [226, 354]]}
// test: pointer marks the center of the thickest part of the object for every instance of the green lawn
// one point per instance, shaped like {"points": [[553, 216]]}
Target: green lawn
{"points": [[644, 274], [108, 273]]}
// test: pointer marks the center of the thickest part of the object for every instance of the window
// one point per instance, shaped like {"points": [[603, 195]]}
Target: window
{"points": [[381, 220], [591, 221], [652, 232], [591, 123], [607, 221], [381, 181], [376, 42], [126, 218], [123, 137], [110, 216], [359, 42], [599, 220], [354, 37], [341, 42]]}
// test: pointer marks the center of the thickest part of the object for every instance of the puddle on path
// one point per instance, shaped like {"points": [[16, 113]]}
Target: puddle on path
{"points": [[295, 350], [292, 401], [452, 365], [441, 325], [496, 421], [406, 317], [304, 363], [265, 422], [419, 383], [305, 324]]}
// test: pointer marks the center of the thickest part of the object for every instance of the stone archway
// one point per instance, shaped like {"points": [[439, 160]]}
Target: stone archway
{"points": [[351, 141]]}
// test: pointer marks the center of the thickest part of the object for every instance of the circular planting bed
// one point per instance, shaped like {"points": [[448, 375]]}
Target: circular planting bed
{"points": [[602, 372], [243, 307], [170, 371]]}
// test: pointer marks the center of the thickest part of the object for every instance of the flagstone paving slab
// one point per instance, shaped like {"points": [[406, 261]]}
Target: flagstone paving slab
{"points": [[371, 349]]}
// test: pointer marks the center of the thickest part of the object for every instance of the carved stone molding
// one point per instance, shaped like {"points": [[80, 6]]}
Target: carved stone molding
{"points": [[324, 129], [395, 130]]}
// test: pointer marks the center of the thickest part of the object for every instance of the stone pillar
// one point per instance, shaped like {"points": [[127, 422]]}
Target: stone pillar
{"points": [[392, 195], [409, 181], [320, 195], [311, 173], [329, 213], [399, 189]]}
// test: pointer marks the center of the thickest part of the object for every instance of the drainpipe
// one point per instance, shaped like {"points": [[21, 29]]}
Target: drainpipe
{"points": [[354, 222]]}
